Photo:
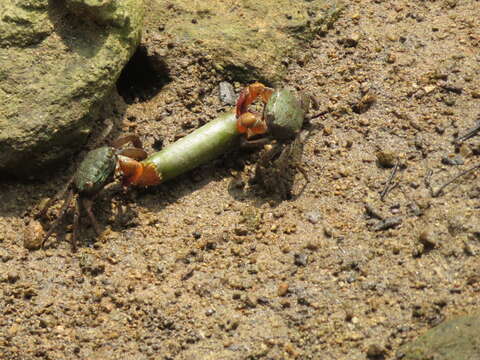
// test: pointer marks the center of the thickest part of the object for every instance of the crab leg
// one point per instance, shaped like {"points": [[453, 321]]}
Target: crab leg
{"points": [[63, 210], [87, 204], [134, 139], [57, 196], [76, 224]]}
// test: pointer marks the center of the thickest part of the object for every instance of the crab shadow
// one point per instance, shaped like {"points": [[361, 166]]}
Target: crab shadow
{"points": [[248, 188]]}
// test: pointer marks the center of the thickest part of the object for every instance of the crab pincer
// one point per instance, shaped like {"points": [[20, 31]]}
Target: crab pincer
{"points": [[249, 122]]}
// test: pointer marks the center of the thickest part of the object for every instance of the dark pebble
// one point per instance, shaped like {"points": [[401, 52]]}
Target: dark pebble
{"points": [[303, 301], [12, 277], [372, 212], [452, 160], [388, 223], [350, 41], [262, 300], [375, 351], [300, 259]]}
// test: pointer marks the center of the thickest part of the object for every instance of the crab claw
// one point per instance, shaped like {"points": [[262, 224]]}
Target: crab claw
{"points": [[138, 173], [250, 94], [251, 123]]}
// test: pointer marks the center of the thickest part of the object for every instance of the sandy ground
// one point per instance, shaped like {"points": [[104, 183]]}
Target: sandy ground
{"points": [[204, 268]]}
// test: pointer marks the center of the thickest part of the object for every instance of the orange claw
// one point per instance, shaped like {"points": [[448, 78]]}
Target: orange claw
{"points": [[248, 122], [250, 94], [137, 173], [251, 124]]}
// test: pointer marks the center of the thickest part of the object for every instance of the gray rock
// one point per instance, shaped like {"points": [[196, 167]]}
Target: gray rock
{"points": [[58, 61], [455, 339], [227, 93]]}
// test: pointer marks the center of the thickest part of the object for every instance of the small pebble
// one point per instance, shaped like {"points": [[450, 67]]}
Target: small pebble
{"points": [[89, 264], [452, 160], [5, 256], [427, 238], [375, 351], [262, 300], [33, 236], [440, 129], [392, 37], [391, 58], [388, 223], [363, 105], [350, 41], [12, 277], [448, 100], [240, 231], [282, 289], [429, 88], [300, 259], [327, 130], [313, 245], [327, 231], [313, 216], [372, 212], [227, 93], [386, 159]]}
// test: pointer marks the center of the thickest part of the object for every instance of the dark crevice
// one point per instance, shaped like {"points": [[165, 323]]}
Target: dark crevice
{"points": [[143, 76]]}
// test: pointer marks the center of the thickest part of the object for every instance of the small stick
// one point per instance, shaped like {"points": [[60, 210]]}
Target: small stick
{"points": [[317, 115], [426, 180], [439, 191], [388, 186], [471, 133]]}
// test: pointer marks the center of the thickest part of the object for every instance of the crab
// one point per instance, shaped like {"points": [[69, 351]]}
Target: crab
{"points": [[280, 127], [93, 174]]}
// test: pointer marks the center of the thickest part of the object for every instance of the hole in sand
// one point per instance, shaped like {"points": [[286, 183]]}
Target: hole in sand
{"points": [[143, 76]]}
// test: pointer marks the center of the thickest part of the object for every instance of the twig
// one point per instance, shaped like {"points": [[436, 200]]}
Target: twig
{"points": [[440, 190], [388, 186], [426, 180], [471, 133], [317, 115]]}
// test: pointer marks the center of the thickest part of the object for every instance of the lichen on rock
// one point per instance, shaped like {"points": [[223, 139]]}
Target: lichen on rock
{"points": [[246, 40], [455, 339]]}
